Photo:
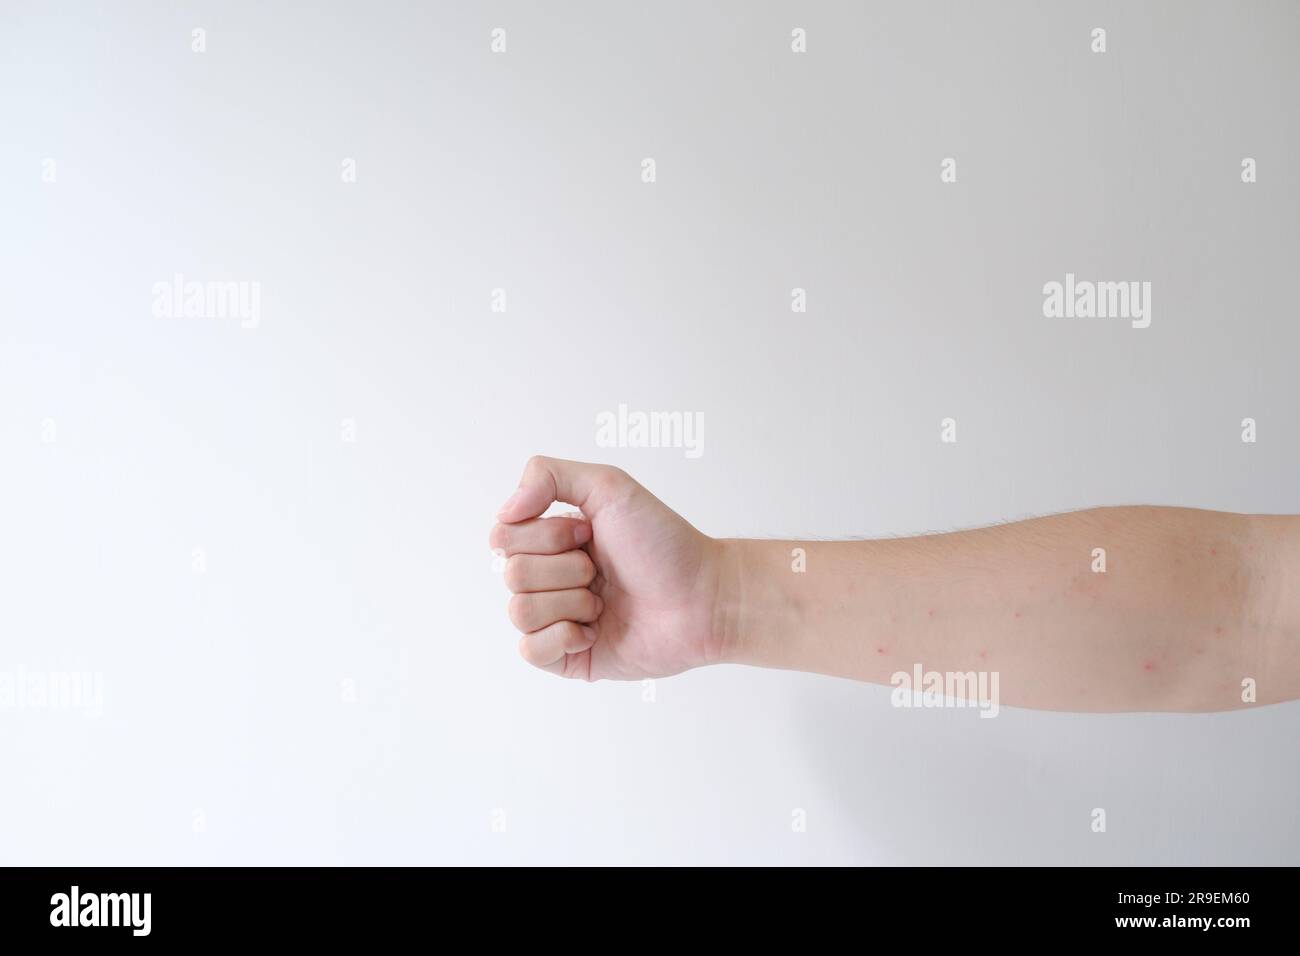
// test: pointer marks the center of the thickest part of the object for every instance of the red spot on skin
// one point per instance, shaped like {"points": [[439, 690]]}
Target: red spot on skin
{"points": [[1218, 632], [1214, 551], [1017, 614], [984, 653], [1148, 665], [930, 612], [880, 650], [1197, 651]]}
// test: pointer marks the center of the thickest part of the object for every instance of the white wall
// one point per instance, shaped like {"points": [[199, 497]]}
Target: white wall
{"points": [[329, 561]]}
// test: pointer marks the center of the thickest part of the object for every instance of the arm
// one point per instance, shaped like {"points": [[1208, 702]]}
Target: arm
{"points": [[1189, 605]]}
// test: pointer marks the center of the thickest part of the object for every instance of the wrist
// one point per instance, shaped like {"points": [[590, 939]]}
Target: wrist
{"points": [[727, 599], [751, 606]]}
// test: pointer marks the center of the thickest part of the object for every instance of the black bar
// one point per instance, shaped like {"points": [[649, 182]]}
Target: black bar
{"points": [[364, 905]]}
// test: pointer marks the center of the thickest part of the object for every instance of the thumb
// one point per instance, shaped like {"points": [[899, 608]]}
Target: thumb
{"points": [[545, 480]]}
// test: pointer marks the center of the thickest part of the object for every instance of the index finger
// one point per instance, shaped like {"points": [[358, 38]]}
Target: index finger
{"points": [[540, 536]]}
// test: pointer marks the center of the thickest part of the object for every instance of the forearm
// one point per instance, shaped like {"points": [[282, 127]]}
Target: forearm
{"points": [[1189, 605]]}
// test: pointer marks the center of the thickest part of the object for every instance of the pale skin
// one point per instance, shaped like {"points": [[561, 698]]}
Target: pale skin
{"points": [[1190, 604]]}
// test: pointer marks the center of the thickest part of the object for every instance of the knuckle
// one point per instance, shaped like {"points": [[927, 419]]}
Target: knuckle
{"points": [[612, 479], [558, 534], [514, 573], [564, 633], [518, 610], [528, 650]]}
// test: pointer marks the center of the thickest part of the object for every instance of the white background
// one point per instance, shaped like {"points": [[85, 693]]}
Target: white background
{"points": [[225, 736]]}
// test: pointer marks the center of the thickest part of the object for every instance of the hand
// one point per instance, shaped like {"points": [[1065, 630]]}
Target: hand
{"points": [[624, 591]]}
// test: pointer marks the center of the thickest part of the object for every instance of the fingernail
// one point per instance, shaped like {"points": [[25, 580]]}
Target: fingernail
{"points": [[582, 533], [510, 501]]}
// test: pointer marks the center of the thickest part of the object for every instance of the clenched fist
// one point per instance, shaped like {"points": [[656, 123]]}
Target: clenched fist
{"points": [[624, 591]]}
